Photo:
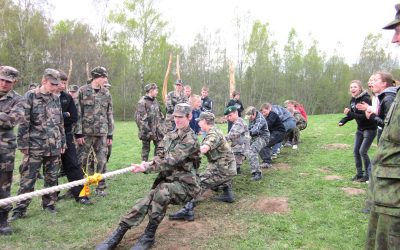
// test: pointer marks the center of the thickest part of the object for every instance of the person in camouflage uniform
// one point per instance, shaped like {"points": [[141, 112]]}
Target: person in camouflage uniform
{"points": [[41, 139], [177, 182], [221, 167], [11, 113], [238, 136], [258, 129], [384, 221], [173, 98], [149, 120], [95, 122]]}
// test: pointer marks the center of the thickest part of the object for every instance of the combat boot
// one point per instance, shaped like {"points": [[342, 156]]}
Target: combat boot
{"points": [[115, 237], [17, 215], [256, 176], [227, 196], [5, 229], [186, 213], [146, 241]]}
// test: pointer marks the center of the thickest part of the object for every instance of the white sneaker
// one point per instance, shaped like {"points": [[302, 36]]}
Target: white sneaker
{"points": [[294, 147], [274, 156], [278, 151]]}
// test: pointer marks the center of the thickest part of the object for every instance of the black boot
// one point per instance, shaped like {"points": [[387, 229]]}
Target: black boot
{"points": [[227, 196], [116, 236], [238, 170], [5, 229], [186, 213], [146, 241]]}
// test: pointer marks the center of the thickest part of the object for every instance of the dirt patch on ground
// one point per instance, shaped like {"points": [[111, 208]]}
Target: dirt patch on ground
{"points": [[304, 174], [184, 235], [334, 146], [281, 166], [353, 191], [324, 170], [333, 177], [271, 205]]}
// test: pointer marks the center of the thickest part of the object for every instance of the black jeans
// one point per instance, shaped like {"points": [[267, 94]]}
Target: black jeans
{"points": [[275, 137], [71, 165], [362, 143]]}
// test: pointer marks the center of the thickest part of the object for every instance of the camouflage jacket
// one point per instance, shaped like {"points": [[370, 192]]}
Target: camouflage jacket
{"points": [[259, 127], [149, 119], [301, 123], [173, 99], [239, 137], [176, 162], [95, 112], [11, 113], [42, 131], [220, 154], [385, 181]]}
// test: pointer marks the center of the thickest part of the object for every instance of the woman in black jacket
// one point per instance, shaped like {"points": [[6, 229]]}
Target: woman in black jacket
{"points": [[366, 130]]}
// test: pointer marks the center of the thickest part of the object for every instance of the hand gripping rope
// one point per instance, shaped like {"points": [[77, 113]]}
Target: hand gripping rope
{"points": [[93, 179]]}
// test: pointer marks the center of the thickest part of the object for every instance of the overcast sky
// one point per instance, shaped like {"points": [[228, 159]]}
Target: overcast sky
{"points": [[329, 22]]}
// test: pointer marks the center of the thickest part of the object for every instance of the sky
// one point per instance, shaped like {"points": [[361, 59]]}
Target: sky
{"points": [[347, 22]]}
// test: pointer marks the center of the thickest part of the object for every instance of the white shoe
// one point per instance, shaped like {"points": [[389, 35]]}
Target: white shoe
{"points": [[294, 147]]}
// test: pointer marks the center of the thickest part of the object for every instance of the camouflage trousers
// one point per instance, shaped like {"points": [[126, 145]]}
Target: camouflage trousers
{"points": [[293, 136], [239, 158], [7, 159], [256, 144], [92, 161], [146, 149], [29, 170], [156, 202], [383, 232], [215, 179], [99, 146]]}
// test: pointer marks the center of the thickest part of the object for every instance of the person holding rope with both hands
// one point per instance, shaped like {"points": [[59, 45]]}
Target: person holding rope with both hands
{"points": [[177, 182]]}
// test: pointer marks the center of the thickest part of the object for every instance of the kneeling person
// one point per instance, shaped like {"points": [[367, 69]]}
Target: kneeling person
{"points": [[220, 169], [177, 182]]}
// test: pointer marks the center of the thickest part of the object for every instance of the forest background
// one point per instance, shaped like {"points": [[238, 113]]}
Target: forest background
{"points": [[133, 43]]}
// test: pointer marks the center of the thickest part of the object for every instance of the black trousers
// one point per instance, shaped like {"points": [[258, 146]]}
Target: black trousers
{"points": [[71, 165], [274, 138]]}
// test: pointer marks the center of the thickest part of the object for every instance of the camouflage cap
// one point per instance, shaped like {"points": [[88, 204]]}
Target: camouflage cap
{"points": [[229, 110], [52, 75], [182, 109], [150, 86], [179, 82], [249, 111], [63, 76], [98, 72], [8, 73], [208, 116], [73, 88], [396, 21]]}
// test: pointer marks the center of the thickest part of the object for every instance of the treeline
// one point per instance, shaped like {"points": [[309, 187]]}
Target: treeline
{"points": [[132, 41]]}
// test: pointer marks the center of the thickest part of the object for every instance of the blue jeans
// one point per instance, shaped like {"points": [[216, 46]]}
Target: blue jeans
{"points": [[362, 143]]}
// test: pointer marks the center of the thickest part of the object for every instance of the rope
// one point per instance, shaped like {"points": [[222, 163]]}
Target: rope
{"points": [[90, 180]]}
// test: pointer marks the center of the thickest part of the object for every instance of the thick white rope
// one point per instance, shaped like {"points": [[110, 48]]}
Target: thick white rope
{"points": [[22, 197]]}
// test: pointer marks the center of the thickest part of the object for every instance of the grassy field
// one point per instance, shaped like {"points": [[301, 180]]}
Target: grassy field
{"points": [[318, 214]]}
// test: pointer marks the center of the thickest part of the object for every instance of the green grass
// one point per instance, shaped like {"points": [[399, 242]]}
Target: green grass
{"points": [[320, 216]]}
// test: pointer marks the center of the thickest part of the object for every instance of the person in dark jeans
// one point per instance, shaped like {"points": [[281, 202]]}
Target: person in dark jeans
{"points": [[366, 130], [277, 133]]}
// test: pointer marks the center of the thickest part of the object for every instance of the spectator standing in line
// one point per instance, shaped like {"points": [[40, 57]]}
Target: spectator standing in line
{"points": [[195, 103], [235, 101], [11, 113], [206, 102]]}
